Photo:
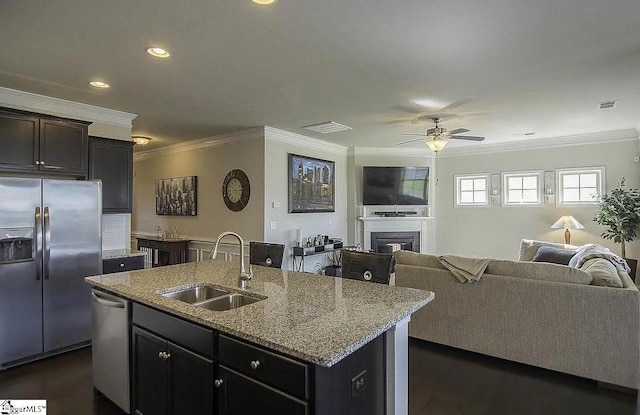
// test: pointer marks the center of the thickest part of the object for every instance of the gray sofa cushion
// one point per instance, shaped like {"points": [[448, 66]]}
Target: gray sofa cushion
{"points": [[539, 271], [529, 248], [553, 255]]}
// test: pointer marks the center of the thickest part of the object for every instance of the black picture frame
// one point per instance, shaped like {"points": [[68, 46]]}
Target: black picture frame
{"points": [[312, 184], [177, 196]]}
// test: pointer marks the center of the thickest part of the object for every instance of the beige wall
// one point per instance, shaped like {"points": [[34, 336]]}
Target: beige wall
{"points": [[211, 165], [496, 231], [278, 145]]}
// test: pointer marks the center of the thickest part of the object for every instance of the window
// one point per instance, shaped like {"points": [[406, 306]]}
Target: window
{"points": [[472, 190], [522, 188], [581, 186]]}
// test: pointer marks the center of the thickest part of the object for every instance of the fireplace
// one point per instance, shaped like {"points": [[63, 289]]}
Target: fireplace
{"points": [[409, 241]]}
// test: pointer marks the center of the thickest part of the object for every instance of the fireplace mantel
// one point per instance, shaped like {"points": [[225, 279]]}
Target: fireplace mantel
{"points": [[423, 224]]}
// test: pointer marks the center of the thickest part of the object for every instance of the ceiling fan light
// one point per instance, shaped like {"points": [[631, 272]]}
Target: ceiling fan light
{"points": [[436, 145]]}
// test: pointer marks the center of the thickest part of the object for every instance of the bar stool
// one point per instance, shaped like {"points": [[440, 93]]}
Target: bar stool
{"points": [[266, 254], [367, 266]]}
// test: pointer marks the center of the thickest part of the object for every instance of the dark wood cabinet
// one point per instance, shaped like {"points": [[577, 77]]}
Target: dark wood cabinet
{"points": [[63, 147], [241, 395], [111, 161], [34, 142], [174, 372], [150, 377], [190, 382], [112, 265], [19, 141], [168, 379]]}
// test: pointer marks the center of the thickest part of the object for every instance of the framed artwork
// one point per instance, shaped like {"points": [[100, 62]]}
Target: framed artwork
{"points": [[311, 185], [177, 196]]}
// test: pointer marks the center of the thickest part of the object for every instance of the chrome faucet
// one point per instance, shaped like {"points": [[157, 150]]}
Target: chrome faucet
{"points": [[244, 276]]}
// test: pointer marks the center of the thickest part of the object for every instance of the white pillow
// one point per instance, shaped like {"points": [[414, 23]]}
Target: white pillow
{"points": [[604, 273]]}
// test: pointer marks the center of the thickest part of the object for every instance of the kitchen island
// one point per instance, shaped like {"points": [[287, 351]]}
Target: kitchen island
{"points": [[311, 344]]}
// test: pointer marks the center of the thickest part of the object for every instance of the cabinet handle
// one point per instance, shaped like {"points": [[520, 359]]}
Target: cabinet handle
{"points": [[218, 382], [37, 161], [167, 355], [161, 355], [121, 265], [255, 364]]}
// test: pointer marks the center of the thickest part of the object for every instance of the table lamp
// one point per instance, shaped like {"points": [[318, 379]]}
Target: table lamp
{"points": [[566, 223]]}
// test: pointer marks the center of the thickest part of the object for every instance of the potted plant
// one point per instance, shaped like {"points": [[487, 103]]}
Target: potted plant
{"points": [[619, 211]]}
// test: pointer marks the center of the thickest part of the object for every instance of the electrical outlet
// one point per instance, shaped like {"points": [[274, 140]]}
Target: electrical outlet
{"points": [[358, 384], [636, 159], [274, 225], [276, 205]]}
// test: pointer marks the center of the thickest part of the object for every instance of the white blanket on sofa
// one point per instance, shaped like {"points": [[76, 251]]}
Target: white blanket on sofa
{"points": [[465, 269], [590, 251]]}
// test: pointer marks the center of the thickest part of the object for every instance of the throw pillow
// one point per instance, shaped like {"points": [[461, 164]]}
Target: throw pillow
{"points": [[604, 273], [529, 247], [553, 255]]}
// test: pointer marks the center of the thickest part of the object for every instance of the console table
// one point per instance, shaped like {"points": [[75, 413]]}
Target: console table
{"points": [[301, 252], [165, 251]]}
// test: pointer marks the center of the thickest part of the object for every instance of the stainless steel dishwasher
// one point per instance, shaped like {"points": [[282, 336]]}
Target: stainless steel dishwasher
{"points": [[110, 347]]}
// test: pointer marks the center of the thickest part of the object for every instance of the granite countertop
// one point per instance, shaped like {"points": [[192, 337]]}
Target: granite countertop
{"points": [[318, 319], [120, 253]]}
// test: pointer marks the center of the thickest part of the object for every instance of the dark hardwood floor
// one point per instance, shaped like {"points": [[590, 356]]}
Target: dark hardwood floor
{"points": [[442, 381]]}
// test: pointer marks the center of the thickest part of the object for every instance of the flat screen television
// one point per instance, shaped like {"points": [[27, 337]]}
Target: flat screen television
{"points": [[395, 185]]}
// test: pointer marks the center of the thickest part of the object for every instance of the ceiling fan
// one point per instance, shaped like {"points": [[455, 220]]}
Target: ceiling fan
{"points": [[438, 137]]}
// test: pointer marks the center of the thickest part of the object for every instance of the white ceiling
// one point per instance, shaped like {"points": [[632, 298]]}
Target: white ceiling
{"points": [[516, 65]]}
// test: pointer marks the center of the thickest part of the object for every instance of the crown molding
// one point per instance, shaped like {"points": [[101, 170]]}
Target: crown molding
{"points": [[27, 101], [282, 136], [213, 141], [605, 137], [394, 152]]}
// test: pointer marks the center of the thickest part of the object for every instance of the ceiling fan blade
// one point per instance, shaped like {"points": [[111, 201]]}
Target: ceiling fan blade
{"points": [[467, 137], [410, 141], [459, 131], [455, 104], [393, 122], [421, 135], [408, 110]]}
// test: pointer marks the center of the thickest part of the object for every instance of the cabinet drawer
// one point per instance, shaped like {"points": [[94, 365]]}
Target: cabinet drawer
{"points": [[122, 264], [286, 374], [189, 335]]}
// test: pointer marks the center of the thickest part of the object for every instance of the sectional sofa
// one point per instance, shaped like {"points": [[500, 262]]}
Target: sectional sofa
{"points": [[540, 314]]}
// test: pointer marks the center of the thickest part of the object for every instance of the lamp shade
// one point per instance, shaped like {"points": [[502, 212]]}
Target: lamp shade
{"points": [[567, 222], [437, 144]]}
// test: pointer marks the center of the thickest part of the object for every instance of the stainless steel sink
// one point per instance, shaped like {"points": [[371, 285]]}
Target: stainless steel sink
{"points": [[228, 302], [196, 294]]}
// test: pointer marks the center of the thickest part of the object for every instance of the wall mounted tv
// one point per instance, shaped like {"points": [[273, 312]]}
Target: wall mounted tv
{"points": [[395, 185]]}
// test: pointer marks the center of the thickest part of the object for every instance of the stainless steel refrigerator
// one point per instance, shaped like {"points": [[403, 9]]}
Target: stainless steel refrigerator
{"points": [[50, 239]]}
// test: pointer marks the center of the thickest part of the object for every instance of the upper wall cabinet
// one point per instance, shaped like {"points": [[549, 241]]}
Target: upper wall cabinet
{"points": [[32, 142], [112, 162]]}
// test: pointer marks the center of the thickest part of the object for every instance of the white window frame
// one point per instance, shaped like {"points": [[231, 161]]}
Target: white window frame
{"points": [[600, 170], [505, 187], [487, 180]]}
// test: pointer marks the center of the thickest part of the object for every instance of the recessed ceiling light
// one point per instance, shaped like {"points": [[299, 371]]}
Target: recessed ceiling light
{"points": [[99, 84], [430, 103], [140, 139], [263, 2], [158, 52]]}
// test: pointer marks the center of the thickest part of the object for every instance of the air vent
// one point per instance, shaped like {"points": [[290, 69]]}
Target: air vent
{"points": [[327, 127], [530, 133], [605, 105]]}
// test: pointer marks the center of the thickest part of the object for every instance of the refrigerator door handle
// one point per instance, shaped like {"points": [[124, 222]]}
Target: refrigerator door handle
{"points": [[100, 300], [46, 242], [38, 241]]}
